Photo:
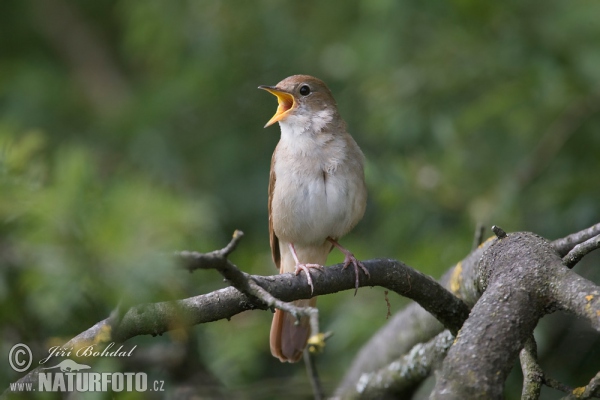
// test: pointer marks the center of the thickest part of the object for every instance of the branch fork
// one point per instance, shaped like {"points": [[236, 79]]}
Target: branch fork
{"points": [[244, 282]]}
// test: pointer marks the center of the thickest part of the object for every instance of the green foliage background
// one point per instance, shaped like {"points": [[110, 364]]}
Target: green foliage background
{"points": [[132, 129]]}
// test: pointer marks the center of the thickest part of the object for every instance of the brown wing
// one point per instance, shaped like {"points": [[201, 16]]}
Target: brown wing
{"points": [[272, 237]]}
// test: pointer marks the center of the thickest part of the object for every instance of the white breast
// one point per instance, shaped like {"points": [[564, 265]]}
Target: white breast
{"points": [[317, 193]]}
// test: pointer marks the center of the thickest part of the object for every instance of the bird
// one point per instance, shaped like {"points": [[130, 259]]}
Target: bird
{"points": [[317, 194]]}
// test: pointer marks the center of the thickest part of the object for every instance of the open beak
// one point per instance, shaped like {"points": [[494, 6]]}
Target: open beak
{"points": [[285, 100]]}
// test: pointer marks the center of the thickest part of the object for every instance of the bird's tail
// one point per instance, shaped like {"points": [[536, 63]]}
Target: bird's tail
{"points": [[288, 338]]}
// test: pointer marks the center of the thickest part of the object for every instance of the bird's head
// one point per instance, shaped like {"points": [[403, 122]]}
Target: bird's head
{"points": [[303, 100]]}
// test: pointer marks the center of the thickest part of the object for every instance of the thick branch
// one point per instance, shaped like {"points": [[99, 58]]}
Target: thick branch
{"points": [[531, 262], [391, 274], [575, 294], [413, 325], [402, 375], [407, 328], [157, 318], [516, 273], [243, 282]]}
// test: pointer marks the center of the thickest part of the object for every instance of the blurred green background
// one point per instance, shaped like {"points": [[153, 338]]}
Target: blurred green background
{"points": [[132, 129]]}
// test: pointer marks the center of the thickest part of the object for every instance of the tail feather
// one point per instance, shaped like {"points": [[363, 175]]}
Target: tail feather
{"points": [[289, 339]]}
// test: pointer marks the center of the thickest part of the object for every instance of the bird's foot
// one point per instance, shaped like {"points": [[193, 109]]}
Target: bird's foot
{"points": [[306, 268], [350, 259]]}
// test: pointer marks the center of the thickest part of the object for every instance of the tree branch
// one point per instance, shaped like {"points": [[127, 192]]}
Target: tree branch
{"points": [[522, 278], [564, 245], [401, 376], [157, 318], [406, 328], [243, 282], [577, 295], [533, 375], [478, 236], [556, 385], [313, 376], [224, 303], [591, 390], [581, 250], [413, 325], [511, 282]]}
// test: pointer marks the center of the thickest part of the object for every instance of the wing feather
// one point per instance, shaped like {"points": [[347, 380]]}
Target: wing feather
{"points": [[273, 239]]}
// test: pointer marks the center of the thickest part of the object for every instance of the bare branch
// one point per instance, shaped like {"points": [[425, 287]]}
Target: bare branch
{"points": [[516, 274], [243, 282], [577, 295], [313, 375], [413, 324], [192, 260], [478, 236], [403, 374], [157, 318], [564, 245], [398, 277], [516, 280], [556, 385], [591, 390], [581, 250], [407, 328], [533, 375], [468, 281], [532, 372]]}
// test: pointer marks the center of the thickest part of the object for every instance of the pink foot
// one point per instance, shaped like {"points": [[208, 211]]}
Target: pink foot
{"points": [[350, 259], [304, 267]]}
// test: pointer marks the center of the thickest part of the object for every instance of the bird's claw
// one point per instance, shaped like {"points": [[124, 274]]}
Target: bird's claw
{"points": [[350, 259], [306, 268]]}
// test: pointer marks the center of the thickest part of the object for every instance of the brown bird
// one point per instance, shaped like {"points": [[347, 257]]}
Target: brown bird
{"points": [[317, 194]]}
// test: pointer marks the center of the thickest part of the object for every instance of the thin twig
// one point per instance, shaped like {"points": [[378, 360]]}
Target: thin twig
{"points": [[556, 385], [242, 281], [313, 375], [564, 245], [193, 260], [579, 251], [532, 372], [591, 390], [478, 237], [534, 377]]}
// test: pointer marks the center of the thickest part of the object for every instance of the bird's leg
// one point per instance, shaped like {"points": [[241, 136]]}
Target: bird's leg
{"points": [[350, 259], [304, 267]]}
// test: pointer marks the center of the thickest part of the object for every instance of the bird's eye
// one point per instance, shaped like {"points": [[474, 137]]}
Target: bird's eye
{"points": [[305, 90]]}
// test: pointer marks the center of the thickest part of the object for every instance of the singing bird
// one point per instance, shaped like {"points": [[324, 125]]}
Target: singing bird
{"points": [[317, 194]]}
